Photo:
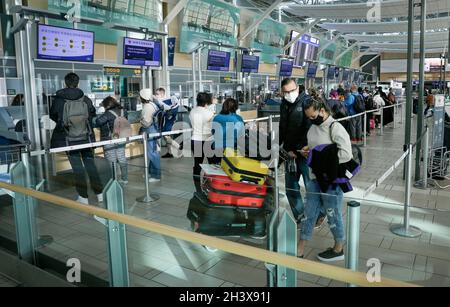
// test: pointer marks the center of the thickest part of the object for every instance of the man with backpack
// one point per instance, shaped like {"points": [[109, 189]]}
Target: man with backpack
{"points": [[73, 112], [355, 105]]}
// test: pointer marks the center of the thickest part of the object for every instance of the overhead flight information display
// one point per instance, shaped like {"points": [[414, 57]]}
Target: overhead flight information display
{"points": [[141, 52], [306, 49], [63, 44], [250, 63], [312, 70], [286, 67], [218, 60]]}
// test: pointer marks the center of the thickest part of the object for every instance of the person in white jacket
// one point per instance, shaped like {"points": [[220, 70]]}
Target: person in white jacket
{"points": [[378, 103]]}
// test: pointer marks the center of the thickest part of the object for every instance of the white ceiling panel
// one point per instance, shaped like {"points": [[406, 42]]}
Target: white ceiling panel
{"points": [[386, 27], [389, 9], [398, 38], [437, 44]]}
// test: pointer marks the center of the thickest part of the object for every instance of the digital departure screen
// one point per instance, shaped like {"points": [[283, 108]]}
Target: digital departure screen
{"points": [[250, 63], [356, 76], [63, 44], [218, 60], [286, 67], [337, 72], [331, 72], [312, 70], [305, 49], [346, 75], [141, 52]]}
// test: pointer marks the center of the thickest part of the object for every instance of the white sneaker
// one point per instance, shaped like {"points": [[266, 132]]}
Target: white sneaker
{"points": [[82, 200], [150, 180], [123, 182], [100, 198], [101, 220]]}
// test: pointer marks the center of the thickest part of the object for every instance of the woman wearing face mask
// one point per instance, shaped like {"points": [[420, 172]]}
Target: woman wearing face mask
{"points": [[325, 137]]}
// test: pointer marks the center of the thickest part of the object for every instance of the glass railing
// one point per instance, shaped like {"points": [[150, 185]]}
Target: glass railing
{"points": [[157, 260]]}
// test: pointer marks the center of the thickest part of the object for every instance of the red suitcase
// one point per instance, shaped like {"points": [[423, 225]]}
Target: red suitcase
{"points": [[224, 191]]}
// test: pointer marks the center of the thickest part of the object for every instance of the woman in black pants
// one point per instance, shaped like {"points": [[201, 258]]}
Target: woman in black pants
{"points": [[202, 140]]}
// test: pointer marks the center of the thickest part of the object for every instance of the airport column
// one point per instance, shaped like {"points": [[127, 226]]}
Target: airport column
{"points": [[423, 16], [410, 54], [27, 73]]}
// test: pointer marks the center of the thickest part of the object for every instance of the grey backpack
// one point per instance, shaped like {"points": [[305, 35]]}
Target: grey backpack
{"points": [[76, 120]]}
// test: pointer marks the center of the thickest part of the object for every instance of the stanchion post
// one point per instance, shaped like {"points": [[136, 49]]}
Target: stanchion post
{"points": [[365, 129], [382, 122], [405, 230], [395, 115], [425, 158], [147, 198], [353, 228]]}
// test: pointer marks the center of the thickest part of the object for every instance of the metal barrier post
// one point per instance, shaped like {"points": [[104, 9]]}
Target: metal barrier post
{"points": [[382, 122], [365, 129], [23, 207], [116, 236], [286, 244], [425, 158], [395, 115], [353, 228], [147, 198], [405, 230], [401, 115]]}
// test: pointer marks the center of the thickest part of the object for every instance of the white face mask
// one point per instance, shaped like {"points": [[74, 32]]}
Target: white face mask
{"points": [[238, 112], [291, 97]]}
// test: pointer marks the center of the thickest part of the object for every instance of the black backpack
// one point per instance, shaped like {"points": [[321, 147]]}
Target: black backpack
{"points": [[360, 105]]}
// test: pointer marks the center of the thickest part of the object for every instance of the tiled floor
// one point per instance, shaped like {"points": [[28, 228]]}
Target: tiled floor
{"points": [[7, 282], [155, 260]]}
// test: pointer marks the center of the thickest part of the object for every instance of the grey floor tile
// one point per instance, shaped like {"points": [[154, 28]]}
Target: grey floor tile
{"points": [[438, 266], [182, 277], [420, 263], [238, 274]]}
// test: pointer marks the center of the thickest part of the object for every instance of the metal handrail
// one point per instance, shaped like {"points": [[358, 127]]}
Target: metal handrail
{"points": [[302, 265]]}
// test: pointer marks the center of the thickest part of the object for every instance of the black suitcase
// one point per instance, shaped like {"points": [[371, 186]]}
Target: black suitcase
{"points": [[215, 220]]}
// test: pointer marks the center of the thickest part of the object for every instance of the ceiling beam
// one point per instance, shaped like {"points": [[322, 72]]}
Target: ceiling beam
{"points": [[345, 51], [257, 22], [181, 4]]}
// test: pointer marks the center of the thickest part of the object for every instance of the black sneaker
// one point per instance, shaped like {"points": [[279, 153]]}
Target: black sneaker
{"points": [[330, 255], [167, 156]]}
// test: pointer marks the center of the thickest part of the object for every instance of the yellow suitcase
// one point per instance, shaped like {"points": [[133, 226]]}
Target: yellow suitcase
{"points": [[242, 169]]}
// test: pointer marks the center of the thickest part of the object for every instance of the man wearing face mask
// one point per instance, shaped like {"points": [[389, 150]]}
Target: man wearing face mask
{"points": [[294, 126]]}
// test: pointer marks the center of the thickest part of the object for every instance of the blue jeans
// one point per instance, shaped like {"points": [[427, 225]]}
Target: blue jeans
{"points": [[331, 203], [293, 186], [154, 159]]}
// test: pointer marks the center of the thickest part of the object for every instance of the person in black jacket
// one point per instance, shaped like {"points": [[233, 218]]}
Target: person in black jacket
{"points": [[116, 152], [82, 160], [294, 126]]}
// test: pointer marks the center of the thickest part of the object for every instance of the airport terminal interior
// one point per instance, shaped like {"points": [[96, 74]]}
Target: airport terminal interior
{"points": [[214, 143]]}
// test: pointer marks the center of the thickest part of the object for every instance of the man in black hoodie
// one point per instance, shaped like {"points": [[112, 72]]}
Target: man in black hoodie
{"points": [[294, 126], [82, 161]]}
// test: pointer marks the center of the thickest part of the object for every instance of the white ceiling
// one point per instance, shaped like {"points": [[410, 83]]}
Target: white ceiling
{"points": [[386, 27], [431, 45], [388, 9], [398, 38], [351, 20]]}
